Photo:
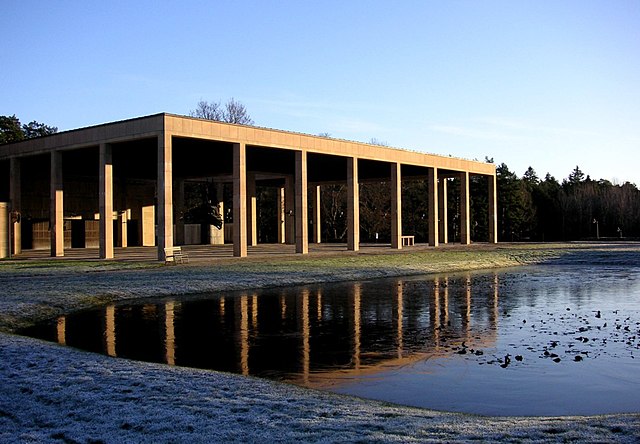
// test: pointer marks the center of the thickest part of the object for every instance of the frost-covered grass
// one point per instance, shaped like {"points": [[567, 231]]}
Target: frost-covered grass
{"points": [[55, 394], [50, 393]]}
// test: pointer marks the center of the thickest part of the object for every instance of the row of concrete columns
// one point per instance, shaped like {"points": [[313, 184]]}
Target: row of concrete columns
{"points": [[244, 203]]}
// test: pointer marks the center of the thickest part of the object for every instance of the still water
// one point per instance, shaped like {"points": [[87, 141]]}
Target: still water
{"points": [[534, 341]]}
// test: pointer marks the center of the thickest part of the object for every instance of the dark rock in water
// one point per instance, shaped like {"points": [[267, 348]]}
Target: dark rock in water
{"points": [[578, 358], [556, 360], [598, 315], [463, 351], [519, 358]]}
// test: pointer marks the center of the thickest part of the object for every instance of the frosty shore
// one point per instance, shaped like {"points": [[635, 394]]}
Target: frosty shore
{"points": [[50, 393]]}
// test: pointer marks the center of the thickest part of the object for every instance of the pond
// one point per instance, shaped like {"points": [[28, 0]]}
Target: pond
{"points": [[541, 341]]}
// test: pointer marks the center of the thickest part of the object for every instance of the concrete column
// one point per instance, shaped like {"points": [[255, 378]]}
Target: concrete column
{"points": [[179, 206], [15, 194], [396, 206], [56, 210], [301, 210], [432, 179], [443, 229], [493, 209], [148, 226], [317, 224], [252, 211], [5, 220], [122, 240], [165, 194], [282, 233], [353, 205], [465, 211], [239, 200], [289, 204], [106, 201], [217, 236]]}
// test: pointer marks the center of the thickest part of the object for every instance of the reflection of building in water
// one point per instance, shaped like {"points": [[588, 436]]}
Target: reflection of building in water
{"points": [[244, 334], [110, 330], [356, 325], [170, 334], [311, 336], [61, 334]]}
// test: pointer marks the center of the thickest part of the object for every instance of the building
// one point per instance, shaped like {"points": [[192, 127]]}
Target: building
{"points": [[123, 183]]}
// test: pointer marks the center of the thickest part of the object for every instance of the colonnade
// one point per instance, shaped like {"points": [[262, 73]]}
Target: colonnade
{"points": [[293, 195]]}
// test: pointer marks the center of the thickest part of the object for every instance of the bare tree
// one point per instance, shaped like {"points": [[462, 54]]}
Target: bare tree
{"points": [[232, 112], [235, 112], [206, 110], [378, 142]]}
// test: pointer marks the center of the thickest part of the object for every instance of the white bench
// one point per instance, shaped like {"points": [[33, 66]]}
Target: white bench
{"points": [[175, 255], [407, 241]]}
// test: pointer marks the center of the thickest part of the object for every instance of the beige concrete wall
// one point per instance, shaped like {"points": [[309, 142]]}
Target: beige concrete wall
{"points": [[192, 127]]}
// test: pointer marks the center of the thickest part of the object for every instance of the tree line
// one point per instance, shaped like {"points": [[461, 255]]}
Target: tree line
{"points": [[529, 208]]}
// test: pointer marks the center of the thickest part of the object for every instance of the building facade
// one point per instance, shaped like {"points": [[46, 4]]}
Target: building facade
{"points": [[123, 184]]}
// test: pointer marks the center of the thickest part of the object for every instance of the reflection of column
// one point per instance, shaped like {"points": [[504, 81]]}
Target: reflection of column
{"points": [[283, 307], [436, 317], [305, 335], [465, 212], [396, 206], [110, 330], [432, 174], [445, 300], [467, 313], [239, 200], [61, 330], [317, 225], [301, 210], [495, 312], [222, 308], [244, 334], [15, 196], [106, 201], [399, 317], [353, 205], [356, 325], [442, 211], [319, 316], [56, 211], [254, 312], [170, 335], [493, 210], [282, 232]]}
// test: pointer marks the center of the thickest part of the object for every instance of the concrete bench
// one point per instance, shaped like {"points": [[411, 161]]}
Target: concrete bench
{"points": [[407, 241], [175, 255]]}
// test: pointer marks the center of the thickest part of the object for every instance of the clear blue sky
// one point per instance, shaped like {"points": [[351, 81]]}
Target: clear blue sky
{"points": [[551, 84]]}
